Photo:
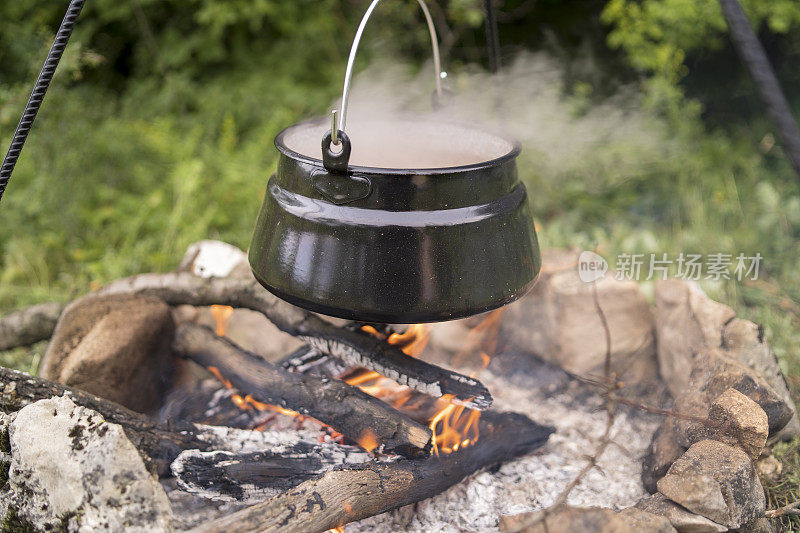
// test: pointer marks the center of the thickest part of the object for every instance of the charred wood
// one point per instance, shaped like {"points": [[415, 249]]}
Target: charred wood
{"points": [[353, 347], [355, 492], [30, 325], [159, 443], [256, 476], [347, 409]]}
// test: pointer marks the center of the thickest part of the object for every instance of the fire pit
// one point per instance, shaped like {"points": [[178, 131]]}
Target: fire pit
{"points": [[246, 436]]}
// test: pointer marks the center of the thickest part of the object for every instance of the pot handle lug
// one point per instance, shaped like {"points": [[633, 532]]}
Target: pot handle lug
{"points": [[336, 161], [341, 189]]}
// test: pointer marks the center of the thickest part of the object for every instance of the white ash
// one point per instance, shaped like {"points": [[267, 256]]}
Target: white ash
{"points": [[533, 482], [245, 440]]}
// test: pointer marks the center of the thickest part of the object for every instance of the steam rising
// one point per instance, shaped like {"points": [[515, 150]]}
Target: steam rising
{"points": [[595, 147]]}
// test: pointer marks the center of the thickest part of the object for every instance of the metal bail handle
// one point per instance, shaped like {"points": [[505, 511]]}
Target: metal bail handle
{"points": [[336, 133]]}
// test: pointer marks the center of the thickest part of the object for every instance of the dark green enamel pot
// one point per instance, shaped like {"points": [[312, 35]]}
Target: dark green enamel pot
{"points": [[435, 227]]}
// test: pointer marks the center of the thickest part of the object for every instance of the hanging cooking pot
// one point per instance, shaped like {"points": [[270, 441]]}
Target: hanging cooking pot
{"points": [[409, 220]]}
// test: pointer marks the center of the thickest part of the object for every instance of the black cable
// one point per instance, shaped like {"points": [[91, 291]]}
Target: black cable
{"points": [[37, 95], [492, 37]]}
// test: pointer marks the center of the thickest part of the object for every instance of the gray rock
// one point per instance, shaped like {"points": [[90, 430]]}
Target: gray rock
{"points": [[559, 322], [680, 518], [117, 347], [215, 259], [71, 469], [741, 420], [744, 341], [716, 481], [760, 525], [769, 469], [700, 493], [646, 522], [732, 418], [664, 449], [249, 329], [686, 321], [714, 372]]}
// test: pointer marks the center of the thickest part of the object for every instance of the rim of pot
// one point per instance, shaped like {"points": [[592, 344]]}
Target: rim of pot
{"points": [[516, 148]]}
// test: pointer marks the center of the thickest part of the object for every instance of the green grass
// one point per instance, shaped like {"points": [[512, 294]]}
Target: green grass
{"points": [[786, 488]]}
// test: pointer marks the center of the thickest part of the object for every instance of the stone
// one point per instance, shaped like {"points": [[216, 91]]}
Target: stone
{"points": [[646, 522], [252, 331], [732, 418], [717, 481], [686, 321], [558, 321], [769, 469], [570, 519], [71, 470], [742, 419], [760, 525], [699, 493], [680, 518], [117, 347], [664, 449], [215, 259], [744, 341], [714, 372]]}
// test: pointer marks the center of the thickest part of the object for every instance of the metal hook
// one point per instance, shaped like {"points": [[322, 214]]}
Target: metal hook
{"points": [[437, 66], [334, 127]]}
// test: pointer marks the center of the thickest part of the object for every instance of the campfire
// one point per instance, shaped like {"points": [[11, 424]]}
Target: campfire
{"points": [[304, 423]]}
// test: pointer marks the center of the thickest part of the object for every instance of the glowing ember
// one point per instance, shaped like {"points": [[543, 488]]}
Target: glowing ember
{"points": [[339, 529], [221, 314], [248, 402]]}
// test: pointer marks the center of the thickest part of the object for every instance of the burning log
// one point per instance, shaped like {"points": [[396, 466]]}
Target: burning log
{"points": [[355, 492], [30, 325], [253, 477], [160, 443], [353, 347], [347, 409]]}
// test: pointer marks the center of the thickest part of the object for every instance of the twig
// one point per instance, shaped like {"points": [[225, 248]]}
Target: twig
{"points": [[30, 325], [609, 384], [793, 509]]}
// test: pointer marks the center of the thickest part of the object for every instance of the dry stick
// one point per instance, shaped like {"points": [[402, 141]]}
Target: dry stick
{"points": [[30, 325], [353, 347], [786, 510], [160, 443], [346, 408], [359, 491]]}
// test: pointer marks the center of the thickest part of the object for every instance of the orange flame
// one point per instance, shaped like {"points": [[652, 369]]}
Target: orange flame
{"points": [[339, 529], [368, 441], [413, 340], [453, 426], [221, 314]]}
